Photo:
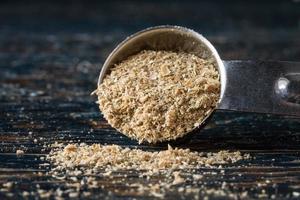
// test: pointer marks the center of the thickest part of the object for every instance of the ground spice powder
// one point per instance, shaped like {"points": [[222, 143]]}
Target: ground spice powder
{"points": [[159, 96], [114, 157], [173, 170]]}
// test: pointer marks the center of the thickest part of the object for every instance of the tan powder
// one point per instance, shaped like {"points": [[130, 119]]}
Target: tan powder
{"points": [[114, 157], [159, 172], [159, 96], [19, 152]]}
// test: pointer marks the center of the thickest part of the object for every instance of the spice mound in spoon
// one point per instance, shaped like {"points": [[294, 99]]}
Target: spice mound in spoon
{"points": [[157, 96]]}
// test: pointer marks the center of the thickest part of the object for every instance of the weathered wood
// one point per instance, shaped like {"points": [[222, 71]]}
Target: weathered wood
{"points": [[50, 57]]}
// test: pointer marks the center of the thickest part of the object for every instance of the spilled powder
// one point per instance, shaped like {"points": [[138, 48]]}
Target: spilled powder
{"points": [[19, 152], [157, 173], [114, 157], [159, 96]]}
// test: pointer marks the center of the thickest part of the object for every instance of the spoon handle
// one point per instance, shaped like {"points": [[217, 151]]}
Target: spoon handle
{"points": [[262, 86]]}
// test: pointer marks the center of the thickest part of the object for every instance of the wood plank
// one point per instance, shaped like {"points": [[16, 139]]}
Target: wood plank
{"points": [[50, 57]]}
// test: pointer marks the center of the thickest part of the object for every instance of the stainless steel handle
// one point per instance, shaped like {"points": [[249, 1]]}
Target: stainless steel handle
{"points": [[262, 86]]}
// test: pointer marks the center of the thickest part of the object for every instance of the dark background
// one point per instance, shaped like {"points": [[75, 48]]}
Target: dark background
{"points": [[51, 53], [249, 29]]}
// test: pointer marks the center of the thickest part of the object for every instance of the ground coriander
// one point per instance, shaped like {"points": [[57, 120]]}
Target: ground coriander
{"points": [[159, 96], [115, 157]]}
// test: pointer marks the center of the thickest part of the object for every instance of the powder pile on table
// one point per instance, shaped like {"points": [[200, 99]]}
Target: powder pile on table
{"points": [[159, 171], [159, 96], [114, 157]]}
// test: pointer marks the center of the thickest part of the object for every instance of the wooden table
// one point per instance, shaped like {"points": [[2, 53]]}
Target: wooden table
{"points": [[50, 58]]}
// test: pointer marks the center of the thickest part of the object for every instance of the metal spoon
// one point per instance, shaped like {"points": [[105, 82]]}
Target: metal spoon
{"points": [[251, 86]]}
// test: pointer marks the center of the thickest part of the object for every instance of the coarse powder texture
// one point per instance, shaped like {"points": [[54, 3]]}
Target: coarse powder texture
{"points": [[114, 157], [131, 172], [159, 96]]}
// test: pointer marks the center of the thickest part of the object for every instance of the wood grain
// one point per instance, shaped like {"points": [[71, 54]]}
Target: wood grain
{"points": [[50, 58]]}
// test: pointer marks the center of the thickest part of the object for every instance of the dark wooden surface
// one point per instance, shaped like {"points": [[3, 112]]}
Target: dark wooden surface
{"points": [[50, 57]]}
